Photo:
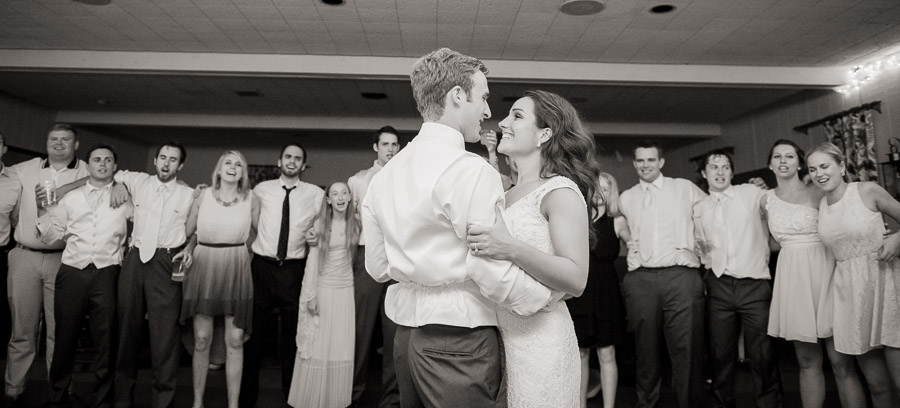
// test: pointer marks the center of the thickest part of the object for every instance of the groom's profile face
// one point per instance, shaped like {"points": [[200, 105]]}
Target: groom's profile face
{"points": [[474, 108]]}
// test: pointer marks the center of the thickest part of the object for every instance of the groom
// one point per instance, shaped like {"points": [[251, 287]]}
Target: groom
{"points": [[447, 350]]}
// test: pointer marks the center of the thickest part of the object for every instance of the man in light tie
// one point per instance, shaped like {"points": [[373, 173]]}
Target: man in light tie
{"points": [[94, 233], [733, 240], [663, 288], [161, 206], [33, 264], [369, 294], [288, 208], [415, 217]]}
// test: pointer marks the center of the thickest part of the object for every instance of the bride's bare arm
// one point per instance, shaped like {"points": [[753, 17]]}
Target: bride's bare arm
{"points": [[567, 270]]}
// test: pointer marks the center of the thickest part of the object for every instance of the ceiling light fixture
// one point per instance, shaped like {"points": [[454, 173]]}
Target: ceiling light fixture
{"points": [[662, 9], [375, 96], [333, 2], [94, 2], [582, 7]]}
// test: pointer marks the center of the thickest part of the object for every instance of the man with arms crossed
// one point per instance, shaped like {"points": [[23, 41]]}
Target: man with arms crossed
{"points": [[415, 216], [288, 207], [86, 282], [733, 240], [663, 289], [161, 207], [33, 264], [369, 294], [10, 188]]}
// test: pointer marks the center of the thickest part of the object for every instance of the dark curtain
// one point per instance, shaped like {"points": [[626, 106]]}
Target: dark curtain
{"points": [[854, 133]]}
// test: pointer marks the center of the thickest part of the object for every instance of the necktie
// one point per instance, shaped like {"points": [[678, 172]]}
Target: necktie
{"points": [[150, 235], [648, 217], [285, 224], [720, 241], [94, 199]]}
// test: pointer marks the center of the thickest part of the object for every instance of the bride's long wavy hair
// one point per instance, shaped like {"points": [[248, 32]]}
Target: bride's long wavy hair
{"points": [[570, 151]]}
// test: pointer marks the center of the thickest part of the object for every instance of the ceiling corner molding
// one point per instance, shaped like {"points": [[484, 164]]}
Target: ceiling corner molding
{"points": [[361, 124], [398, 68]]}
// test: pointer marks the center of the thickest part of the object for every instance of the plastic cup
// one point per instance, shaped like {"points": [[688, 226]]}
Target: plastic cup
{"points": [[49, 187], [178, 271]]}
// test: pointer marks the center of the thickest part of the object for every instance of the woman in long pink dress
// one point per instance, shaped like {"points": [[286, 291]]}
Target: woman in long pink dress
{"points": [[323, 368], [867, 278]]}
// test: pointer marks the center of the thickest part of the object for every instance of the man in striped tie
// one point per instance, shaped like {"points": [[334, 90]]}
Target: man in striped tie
{"points": [[146, 287], [733, 241], [663, 288]]}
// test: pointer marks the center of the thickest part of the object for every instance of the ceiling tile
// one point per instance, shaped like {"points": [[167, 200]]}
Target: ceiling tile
{"points": [[260, 13]]}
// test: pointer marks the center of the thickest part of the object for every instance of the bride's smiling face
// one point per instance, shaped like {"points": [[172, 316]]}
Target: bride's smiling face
{"points": [[520, 131]]}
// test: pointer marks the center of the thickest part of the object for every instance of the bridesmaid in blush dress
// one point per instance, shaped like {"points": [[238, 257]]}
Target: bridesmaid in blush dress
{"points": [[802, 305], [218, 281], [867, 277]]}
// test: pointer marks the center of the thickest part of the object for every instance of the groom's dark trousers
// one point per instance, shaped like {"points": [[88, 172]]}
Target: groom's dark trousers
{"points": [[448, 366]]}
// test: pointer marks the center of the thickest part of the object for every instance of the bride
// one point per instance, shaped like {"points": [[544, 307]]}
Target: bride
{"points": [[548, 234]]}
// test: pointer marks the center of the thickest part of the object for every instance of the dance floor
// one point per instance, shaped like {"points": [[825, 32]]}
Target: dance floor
{"points": [[270, 394]]}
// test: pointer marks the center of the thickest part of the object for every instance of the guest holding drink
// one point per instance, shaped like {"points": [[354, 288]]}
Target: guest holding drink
{"points": [[867, 278], [218, 281], [33, 264], [86, 281], [802, 304], [146, 287]]}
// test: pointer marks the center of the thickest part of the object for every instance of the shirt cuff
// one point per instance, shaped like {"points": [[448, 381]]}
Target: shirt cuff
{"points": [[528, 296], [43, 225]]}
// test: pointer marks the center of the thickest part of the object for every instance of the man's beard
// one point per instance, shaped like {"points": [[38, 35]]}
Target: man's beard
{"points": [[290, 173]]}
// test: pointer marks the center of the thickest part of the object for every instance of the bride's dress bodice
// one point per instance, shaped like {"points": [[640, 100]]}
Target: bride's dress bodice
{"points": [[542, 358]]}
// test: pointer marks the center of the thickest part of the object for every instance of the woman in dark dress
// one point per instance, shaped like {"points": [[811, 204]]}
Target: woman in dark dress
{"points": [[599, 313]]}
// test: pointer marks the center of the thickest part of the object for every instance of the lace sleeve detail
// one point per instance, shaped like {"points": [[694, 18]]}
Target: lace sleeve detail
{"points": [[557, 183]]}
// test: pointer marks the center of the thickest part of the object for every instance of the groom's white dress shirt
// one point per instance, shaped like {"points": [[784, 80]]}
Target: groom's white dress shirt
{"points": [[414, 218]]}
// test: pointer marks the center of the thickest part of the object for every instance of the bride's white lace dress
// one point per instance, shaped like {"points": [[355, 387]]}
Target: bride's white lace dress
{"points": [[543, 366]]}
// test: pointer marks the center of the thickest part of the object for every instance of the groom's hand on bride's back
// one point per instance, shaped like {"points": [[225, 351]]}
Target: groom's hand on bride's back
{"points": [[492, 241]]}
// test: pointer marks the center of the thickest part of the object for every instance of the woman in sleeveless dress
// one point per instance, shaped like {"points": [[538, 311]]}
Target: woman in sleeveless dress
{"points": [[867, 277], [323, 368], [550, 227], [599, 313], [801, 310], [218, 280]]}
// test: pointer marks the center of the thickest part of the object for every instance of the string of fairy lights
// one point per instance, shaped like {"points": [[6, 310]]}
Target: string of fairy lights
{"points": [[861, 74]]}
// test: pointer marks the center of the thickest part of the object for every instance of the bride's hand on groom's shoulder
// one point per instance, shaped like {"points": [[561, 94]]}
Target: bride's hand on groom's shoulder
{"points": [[492, 241]]}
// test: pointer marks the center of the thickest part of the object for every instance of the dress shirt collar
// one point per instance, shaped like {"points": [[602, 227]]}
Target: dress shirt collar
{"points": [[283, 184], [658, 183], [91, 188], [2, 168], [439, 131], [719, 196], [157, 183], [72, 164]]}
